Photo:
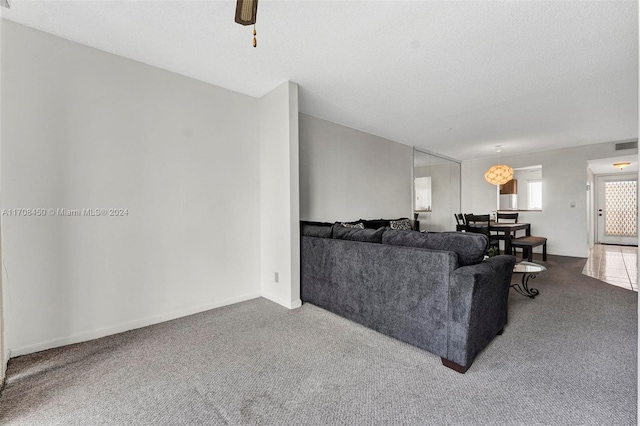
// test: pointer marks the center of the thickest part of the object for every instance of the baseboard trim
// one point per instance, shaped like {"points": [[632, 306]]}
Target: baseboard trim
{"points": [[5, 365], [289, 304], [130, 325]]}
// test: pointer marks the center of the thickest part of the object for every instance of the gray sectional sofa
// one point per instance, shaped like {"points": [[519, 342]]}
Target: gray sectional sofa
{"points": [[432, 290]]}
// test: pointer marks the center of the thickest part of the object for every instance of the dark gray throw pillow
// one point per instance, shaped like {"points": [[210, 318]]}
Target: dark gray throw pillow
{"points": [[355, 234]]}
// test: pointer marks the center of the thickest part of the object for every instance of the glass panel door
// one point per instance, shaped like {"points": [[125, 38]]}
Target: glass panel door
{"points": [[617, 209]]}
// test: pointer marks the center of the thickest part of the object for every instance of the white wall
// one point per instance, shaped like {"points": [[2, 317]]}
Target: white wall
{"points": [[4, 351], [591, 205], [85, 129], [279, 199], [564, 180], [346, 174]]}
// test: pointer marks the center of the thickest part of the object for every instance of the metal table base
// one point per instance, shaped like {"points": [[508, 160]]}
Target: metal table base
{"points": [[529, 271], [523, 288]]}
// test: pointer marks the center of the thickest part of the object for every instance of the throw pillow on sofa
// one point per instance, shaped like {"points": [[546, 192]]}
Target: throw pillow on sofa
{"points": [[379, 223], [358, 225], [400, 224]]}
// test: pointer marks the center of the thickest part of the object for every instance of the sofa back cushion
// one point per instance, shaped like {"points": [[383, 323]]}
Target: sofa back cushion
{"points": [[366, 235], [470, 248], [316, 230]]}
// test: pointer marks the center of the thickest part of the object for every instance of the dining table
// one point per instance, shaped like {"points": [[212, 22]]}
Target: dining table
{"points": [[509, 230]]}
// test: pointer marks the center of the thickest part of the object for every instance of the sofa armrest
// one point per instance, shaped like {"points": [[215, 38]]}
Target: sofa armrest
{"points": [[477, 306]]}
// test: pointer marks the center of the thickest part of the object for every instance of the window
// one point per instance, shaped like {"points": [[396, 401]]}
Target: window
{"points": [[534, 191]]}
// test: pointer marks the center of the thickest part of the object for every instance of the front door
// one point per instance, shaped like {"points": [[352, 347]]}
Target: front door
{"points": [[617, 209]]}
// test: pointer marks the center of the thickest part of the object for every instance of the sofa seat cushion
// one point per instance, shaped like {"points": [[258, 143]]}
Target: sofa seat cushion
{"points": [[470, 248], [355, 234]]}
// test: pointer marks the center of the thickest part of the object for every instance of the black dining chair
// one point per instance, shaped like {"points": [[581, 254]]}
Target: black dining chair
{"points": [[479, 224], [476, 218], [506, 218]]}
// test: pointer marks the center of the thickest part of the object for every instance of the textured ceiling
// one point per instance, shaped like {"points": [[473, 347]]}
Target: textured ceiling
{"points": [[605, 165], [452, 77]]}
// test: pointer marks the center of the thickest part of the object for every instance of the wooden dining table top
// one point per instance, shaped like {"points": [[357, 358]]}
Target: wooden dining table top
{"points": [[498, 226], [501, 226]]}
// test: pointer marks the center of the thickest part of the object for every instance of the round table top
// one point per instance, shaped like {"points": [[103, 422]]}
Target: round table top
{"points": [[528, 268]]}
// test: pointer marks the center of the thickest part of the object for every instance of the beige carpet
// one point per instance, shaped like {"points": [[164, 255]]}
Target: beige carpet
{"points": [[569, 357]]}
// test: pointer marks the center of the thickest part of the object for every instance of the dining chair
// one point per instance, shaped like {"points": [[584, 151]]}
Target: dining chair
{"points": [[479, 224], [506, 218], [476, 218]]}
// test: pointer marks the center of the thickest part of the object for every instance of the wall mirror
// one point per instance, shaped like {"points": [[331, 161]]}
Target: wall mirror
{"points": [[523, 192], [436, 190]]}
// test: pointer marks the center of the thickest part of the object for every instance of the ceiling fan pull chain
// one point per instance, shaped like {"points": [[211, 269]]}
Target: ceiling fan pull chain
{"points": [[255, 42]]}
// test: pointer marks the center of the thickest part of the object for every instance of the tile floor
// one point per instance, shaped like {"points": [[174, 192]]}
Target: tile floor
{"points": [[615, 265]]}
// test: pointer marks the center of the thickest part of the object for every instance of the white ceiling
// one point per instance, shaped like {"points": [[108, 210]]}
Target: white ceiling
{"points": [[605, 165], [452, 77]]}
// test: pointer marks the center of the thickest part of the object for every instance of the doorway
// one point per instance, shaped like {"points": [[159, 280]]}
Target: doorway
{"points": [[617, 209]]}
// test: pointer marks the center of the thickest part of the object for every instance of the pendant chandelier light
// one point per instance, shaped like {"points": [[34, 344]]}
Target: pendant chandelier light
{"points": [[246, 13], [500, 173]]}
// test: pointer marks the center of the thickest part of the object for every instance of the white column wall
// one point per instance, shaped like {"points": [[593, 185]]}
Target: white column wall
{"points": [[279, 196]]}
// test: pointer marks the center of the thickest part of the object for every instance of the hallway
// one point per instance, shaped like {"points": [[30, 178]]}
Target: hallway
{"points": [[615, 265]]}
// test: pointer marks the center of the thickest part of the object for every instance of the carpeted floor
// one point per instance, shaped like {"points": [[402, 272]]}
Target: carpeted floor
{"points": [[569, 357]]}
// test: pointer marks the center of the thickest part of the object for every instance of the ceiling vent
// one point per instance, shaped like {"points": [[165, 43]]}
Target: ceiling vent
{"points": [[626, 145]]}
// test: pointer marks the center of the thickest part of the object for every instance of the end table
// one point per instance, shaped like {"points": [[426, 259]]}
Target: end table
{"points": [[528, 270]]}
